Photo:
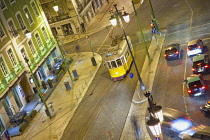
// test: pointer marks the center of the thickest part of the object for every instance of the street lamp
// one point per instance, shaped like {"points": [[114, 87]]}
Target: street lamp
{"points": [[156, 111], [64, 60], [37, 87], [156, 116], [139, 25], [117, 16]]}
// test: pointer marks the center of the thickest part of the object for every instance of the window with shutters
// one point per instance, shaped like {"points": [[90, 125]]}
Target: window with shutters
{"points": [[20, 21], [12, 57], [33, 5], [28, 15], [3, 67]]}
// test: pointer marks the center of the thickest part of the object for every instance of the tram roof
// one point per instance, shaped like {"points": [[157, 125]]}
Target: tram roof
{"points": [[116, 51]]}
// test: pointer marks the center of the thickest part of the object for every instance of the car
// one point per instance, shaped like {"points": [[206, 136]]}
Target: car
{"points": [[176, 120], [201, 132], [195, 85], [200, 64], [195, 47], [205, 109], [173, 51]]}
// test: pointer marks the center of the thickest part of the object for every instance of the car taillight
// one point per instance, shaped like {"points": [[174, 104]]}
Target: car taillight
{"points": [[187, 49], [177, 52], [165, 55], [206, 66], [199, 46], [193, 69], [189, 91], [203, 87]]}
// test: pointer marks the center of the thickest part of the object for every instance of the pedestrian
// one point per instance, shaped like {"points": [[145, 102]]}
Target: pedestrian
{"points": [[83, 27], [136, 128], [77, 49]]}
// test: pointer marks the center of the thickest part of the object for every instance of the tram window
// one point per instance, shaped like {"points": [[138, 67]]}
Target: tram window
{"points": [[119, 63], [123, 60], [113, 63], [108, 65]]}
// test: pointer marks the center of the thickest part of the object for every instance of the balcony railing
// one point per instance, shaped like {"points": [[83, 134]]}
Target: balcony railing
{"points": [[58, 18]]}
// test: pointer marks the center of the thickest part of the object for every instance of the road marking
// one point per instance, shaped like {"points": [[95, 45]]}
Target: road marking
{"points": [[191, 13], [104, 40]]}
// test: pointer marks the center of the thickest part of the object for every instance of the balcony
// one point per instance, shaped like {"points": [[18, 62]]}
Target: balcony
{"points": [[58, 18]]}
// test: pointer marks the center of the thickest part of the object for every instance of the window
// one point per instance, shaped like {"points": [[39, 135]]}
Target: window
{"points": [[33, 5], [3, 67], [119, 63], [38, 39], [17, 97], [44, 32], [2, 34], [20, 20], [2, 4], [12, 30], [31, 46], [2, 128], [12, 57], [28, 15], [7, 107], [114, 65]]}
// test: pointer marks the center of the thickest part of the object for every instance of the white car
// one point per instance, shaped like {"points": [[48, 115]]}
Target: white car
{"points": [[195, 47]]}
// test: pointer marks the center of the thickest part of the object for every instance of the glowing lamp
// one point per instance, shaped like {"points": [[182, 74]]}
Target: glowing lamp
{"points": [[113, 20], [55, 8], [126, 17], [154, 126]]}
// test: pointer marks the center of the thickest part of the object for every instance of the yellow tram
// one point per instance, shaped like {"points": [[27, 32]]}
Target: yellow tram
{"points": [[118, 59]]}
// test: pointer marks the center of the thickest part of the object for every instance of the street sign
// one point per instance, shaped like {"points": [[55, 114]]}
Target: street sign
{"points": [[131, 75], [153, 31]]}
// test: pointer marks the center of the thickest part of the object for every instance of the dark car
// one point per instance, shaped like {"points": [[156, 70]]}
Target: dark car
{"points": [[195, 47], [173, 51], [195, 85], [201, 132], [176, 120], [205, 109], [200, 64]]}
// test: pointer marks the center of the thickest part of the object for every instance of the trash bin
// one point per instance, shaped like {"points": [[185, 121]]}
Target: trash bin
{"points": [[76, 76], [93, 61], [67, 85]]}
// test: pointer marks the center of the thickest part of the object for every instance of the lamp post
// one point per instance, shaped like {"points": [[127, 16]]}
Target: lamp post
{"points": [[139, 25], [154, 18], [156, 116], [64, 60], [117, 15], [37, 87]]}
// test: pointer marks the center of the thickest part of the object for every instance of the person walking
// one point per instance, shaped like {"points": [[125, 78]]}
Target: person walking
{"points": [[83, 27]]}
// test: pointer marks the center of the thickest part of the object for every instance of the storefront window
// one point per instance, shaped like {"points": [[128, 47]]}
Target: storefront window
{"points": [[2, 128], [17, 97]]}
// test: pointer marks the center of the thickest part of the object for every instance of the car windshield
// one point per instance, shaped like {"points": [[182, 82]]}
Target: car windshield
{"points": [[170, 50], [197, 63], [195, 84], [192, 47]]}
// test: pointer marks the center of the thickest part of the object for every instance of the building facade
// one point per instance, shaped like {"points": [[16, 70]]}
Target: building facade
{"points": [[16, 19], [72, 15]]}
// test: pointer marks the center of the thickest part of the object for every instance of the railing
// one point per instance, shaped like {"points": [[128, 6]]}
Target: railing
{"points": [[58, 18], [3, 85]]}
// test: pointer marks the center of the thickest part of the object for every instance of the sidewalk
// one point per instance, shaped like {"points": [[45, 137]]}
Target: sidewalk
{"points": [[101, 19], [139, 106], [64, 102]]}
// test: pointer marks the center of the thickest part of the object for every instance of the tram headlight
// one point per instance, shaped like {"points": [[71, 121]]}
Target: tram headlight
{"points": [[116, 72]]}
